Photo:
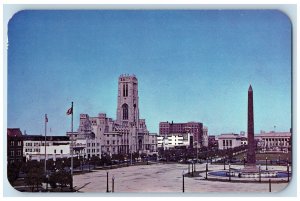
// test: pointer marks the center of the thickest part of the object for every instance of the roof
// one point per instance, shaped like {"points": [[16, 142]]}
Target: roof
{"points": [[228, 135], [14, 132], [275, 134], [48, 138]]}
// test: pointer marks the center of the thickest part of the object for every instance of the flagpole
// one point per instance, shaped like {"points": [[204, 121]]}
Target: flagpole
{"points": [[72, 148], [45, 143]]}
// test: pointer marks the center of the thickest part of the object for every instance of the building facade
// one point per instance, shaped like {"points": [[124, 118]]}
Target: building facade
{"points": [[14, 146], [212, 141], [127, 134], [196, 129], [56, 147], [227, 141], [175, 140], [274, 141]]}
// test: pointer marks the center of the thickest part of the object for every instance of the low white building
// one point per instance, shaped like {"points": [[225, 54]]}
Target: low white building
{"points": [[274, 141], [230, 140], [175, 140], [56, 147]]}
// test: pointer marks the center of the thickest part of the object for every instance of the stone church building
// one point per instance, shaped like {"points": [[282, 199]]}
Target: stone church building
{"points": [[127, 134]]}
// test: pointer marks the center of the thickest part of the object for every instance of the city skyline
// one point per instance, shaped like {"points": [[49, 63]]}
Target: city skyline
{"points": [[191, 66]]}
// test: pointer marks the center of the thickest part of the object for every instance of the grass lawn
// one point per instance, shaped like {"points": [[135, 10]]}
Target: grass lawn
{"points": [[271, 156]]}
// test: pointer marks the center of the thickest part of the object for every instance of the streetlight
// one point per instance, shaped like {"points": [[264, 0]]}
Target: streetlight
{"points": [[224, 163], [47, 178], [206, 169], [229, 173], [130, 154], [113, 184], [259, 173], [107, 182], [183, 181], [244, 161], [266, 163], [192, 169], [89, 164], [288, 171]]}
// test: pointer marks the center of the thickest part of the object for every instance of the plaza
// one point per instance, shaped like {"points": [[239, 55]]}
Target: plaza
{"points": [[167, 178]]}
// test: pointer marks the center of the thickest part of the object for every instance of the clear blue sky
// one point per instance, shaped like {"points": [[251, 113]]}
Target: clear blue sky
{"points": [[191, 66]]}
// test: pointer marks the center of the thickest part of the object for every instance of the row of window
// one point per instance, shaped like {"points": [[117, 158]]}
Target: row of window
{"points": [[38, 150], [32, 150], [12, 143], [29, 144], [19, 153], [276, 139], [93, 150], [93, 144], [112, 149], [13, 161], [227, 143], [114, 142]]}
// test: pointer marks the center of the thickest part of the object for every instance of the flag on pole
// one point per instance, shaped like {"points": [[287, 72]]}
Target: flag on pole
{"points": [[70, 111], [46, 118]]}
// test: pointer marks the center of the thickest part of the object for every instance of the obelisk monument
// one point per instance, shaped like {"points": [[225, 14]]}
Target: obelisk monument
{"points": [[251, 159]]}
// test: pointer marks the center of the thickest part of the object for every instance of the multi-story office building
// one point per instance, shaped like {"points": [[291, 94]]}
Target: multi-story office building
{"points": [[127, 134], [14, 146], [196, 129]]}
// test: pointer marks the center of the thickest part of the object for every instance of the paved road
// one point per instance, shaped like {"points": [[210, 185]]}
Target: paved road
{"points": [[162, 178]]}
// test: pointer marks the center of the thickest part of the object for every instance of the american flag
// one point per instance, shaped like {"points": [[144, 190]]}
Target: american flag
{"points": [[70, 111]]}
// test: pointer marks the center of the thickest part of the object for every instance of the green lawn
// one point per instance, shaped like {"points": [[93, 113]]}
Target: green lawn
{"points": [[271, 156]]}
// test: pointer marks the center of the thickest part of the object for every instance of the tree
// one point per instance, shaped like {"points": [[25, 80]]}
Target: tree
{"points": [[13, 172], [60, 178], [34, 178]]}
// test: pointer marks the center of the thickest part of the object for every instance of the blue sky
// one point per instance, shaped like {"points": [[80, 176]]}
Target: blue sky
{"points": [[191, 66]]}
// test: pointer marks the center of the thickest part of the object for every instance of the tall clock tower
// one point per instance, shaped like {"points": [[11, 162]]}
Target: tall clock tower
{"points": [[128, 101]]}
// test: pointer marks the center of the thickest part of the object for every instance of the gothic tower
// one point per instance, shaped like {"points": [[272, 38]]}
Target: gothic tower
{"points": [[128, 101]]}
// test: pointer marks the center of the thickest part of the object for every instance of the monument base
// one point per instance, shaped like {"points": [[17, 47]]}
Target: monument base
{"points": [[250, 168]]}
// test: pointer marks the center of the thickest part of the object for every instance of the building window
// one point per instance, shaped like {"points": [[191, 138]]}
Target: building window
{"points": [[89, 144], [125, 111], [55, 151], [11, 143], [98, 144], [123, 90], [113, 142], [107, 149], [113, 149], [61, 151], [11, 153], [107, 141], [19, 143]]}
